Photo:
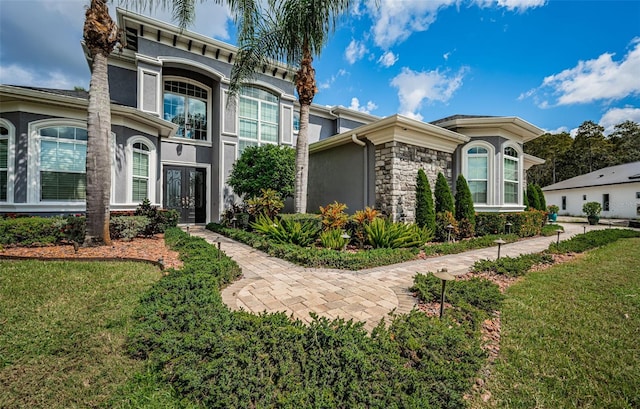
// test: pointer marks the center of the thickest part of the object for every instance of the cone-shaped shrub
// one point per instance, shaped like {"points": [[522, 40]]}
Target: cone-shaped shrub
{"points": [[465, 212], [425, 213], [444, 198], [541, 199], [532, 196]]}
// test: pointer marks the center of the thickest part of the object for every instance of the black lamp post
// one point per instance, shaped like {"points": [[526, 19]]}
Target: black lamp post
{"points": [[444, 276], [499, 242]]}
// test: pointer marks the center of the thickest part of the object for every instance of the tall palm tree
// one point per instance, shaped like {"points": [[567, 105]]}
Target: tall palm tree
{"points": [[100, 37], [293, 31]]}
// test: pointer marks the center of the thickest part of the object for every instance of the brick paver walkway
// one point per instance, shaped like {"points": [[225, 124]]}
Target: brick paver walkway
{"points": [[270, 284]]}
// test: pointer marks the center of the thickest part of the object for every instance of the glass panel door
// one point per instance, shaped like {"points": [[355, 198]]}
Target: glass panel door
{"points": [[184, 191]]}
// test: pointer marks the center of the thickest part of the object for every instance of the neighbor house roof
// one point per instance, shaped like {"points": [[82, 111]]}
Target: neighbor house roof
{"points": [[613, 175]]}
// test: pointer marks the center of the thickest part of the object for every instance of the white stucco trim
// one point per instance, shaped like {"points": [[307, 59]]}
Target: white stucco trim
{"points": [[188, 141], [151, 186], [11, 158], [501, 156], [491, 176]]}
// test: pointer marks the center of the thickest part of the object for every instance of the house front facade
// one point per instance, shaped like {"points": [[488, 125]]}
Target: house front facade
{"points": [[176, 134]]}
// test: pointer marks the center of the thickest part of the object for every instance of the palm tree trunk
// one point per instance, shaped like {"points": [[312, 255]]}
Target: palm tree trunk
{"points": [[98, 155], [306, 87]]}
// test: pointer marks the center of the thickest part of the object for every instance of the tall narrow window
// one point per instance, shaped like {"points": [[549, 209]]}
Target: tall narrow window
{"points": [[564, 203], [511, 172], [140, 174], [605, 202], [4, 162], [185, 104], [477, 171], [63, 151], [259, 113]]}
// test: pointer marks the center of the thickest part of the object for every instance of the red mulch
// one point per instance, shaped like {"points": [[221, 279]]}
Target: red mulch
{"points": [[151, 249]]}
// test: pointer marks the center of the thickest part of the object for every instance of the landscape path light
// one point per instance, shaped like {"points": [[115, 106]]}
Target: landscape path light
{"points": [[499, 242], [508, 226], [449, 228], [346, 238], [559, 231], [444, 276]]}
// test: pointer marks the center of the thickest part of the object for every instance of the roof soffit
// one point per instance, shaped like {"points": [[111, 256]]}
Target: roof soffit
{"points": [[508, 127]]}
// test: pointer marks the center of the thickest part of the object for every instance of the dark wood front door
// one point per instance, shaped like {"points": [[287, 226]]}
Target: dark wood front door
{"points": [[185, 191]]}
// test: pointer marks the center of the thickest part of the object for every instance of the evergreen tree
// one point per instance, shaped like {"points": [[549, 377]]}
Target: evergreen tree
{"points": [[541, 199], [532, 196], [425, 212], [465, 213], [444, 198]]}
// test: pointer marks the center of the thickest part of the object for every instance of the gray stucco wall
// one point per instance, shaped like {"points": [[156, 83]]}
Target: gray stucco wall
{"points": [[343, 173]]}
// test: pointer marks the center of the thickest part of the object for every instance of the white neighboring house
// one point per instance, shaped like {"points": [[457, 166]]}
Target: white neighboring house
{"points": [[616, 188]]}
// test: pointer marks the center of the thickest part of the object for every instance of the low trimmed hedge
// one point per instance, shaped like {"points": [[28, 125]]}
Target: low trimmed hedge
{"points": [[590, 240], [524, 224], [224, 359], [512, 266]]}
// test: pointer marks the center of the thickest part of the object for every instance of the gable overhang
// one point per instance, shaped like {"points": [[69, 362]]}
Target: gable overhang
{"points": [[397, 128], [530, 160], [510, 127], [16, 99]]}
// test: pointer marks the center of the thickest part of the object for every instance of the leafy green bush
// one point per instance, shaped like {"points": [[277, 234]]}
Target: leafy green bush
{"points": [[591, 208], [591, 240], [268, 203], [333, 239], [264, 167], [286, 231], [29, 231], [127, 227], [443, 197], [478, 292], [466, 245], [512, 266], [333, 216], [159, 219], [525, 224], [383, 233], [444, 219], [360, 219], [425, 210], [465, 212], [533, 197]]}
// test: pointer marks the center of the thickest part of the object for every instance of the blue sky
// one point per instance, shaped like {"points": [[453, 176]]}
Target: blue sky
{"points": [[553, 63]]}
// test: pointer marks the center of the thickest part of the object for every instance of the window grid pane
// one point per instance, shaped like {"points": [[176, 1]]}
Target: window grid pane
{"points": [[3, 185], [63, 153], [140, 189], [259, 117], [4, 153], [511, 192], [63, 186], [478, 191], [186, 106]]}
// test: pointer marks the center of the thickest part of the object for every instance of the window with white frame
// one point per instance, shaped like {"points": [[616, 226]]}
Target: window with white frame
{"points": [[62, 160], [259, 112], [4, 162], [511, 175], [477, 173], [140, 173], [185, 104]]}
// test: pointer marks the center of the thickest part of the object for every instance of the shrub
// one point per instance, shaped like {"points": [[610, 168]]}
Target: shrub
{"points": [[444, 199], [525, 224], [465, 212], [387, 234], [425, 211], [29, 231], [286, 231], [127, 227], [543, 201], [333, 239], [159, 219], [551, 229], [333, 216], [533, 198], [360, 219], [591, 240], [444, 219], [512, 266], [478, 292], [264, 167], [74, 228], [591, 208], [268, 203]]}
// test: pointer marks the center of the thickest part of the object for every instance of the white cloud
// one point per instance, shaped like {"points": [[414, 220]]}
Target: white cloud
{"points": [[512, 5], [17, 75], [396, 20], [388, 59], [327, 84], [616, 116], [415, 87], [355, 51], [355, 105], [598, 79]]}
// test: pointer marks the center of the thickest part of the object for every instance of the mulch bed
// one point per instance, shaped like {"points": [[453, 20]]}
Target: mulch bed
{"points": [[150, 249]]}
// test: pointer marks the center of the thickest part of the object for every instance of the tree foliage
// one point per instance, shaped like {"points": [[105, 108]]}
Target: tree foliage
{"points": [[465, 212], [533, 197], [425, 211], [590, 150], [444, 198], [264, 167]]}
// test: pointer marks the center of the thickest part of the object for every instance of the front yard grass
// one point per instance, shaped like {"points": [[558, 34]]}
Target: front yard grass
{"points": [[570, 335], [62, 330]]}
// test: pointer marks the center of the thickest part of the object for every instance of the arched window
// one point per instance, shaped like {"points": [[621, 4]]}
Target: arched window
{"points": [[185, 104], [62, 159], [259, 117], [477, 173], [511, 175], [141, 157]]}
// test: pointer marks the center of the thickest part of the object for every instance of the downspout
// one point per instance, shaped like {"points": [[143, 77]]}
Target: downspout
{"points": [[365, 161]]}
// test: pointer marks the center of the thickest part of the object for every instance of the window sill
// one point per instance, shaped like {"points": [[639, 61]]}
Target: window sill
{"points": [[188, 141]]}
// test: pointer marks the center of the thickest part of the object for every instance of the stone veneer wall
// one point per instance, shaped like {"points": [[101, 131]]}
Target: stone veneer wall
{"points": [[396, 170]]}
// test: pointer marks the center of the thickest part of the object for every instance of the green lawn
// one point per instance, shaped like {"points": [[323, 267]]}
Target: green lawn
{"points": [[62, 329], [571, 335]]}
